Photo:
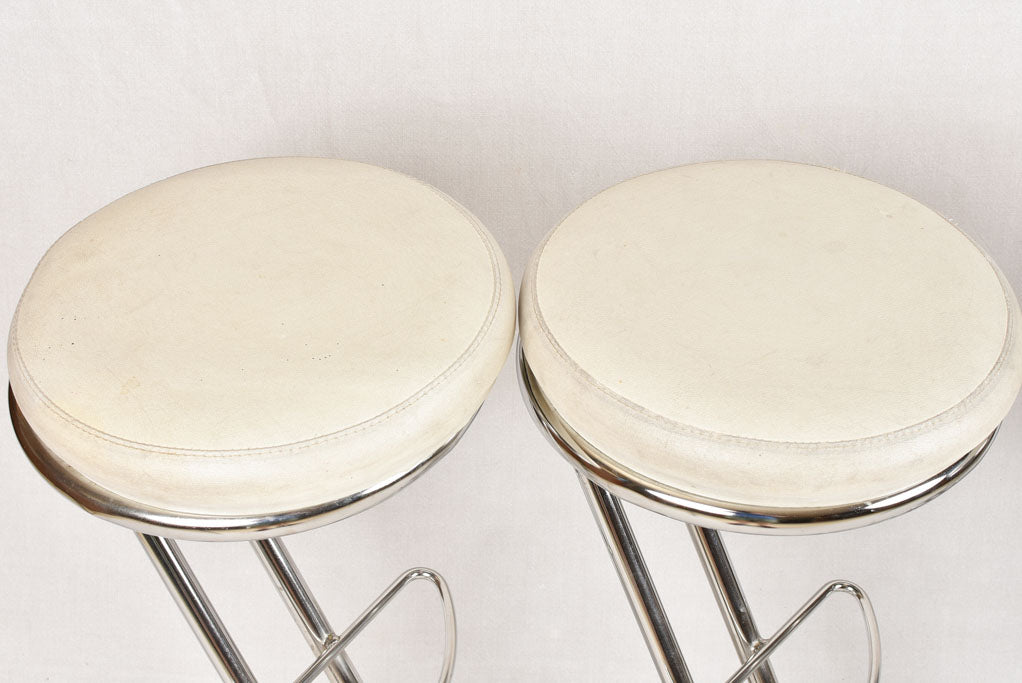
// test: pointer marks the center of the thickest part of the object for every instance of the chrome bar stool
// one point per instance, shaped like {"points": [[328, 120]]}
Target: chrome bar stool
{"points": [[764, 347], [254, 349]]}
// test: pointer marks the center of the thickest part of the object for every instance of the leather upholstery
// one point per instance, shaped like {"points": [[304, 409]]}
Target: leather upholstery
{"points": [[262, 335], [769, 333]]}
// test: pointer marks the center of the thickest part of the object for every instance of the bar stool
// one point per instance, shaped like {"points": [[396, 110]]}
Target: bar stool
{"points": [[254, 349], [765, 347]]}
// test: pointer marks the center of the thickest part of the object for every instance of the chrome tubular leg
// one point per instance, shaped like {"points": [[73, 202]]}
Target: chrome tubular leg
{"points": [[303, 606], [631, 568], [730, 598], [201, 616]]}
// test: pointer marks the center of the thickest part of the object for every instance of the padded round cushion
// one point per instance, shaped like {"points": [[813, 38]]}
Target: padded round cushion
{"points": [[770, 334], [261, 336]]}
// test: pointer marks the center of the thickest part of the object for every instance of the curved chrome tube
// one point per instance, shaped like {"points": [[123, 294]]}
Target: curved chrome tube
{"points": [[335, 644], [765, 647], [151, 520], [602, 470]]}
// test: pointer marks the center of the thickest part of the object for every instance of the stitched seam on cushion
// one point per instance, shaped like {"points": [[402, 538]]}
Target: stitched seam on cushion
{"points": [[664, 422], [495, 300]]}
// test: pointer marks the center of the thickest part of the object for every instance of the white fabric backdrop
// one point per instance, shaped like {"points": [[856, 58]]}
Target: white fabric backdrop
{"points": [[520, 112]]}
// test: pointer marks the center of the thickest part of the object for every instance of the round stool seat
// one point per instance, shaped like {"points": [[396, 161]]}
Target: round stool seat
{"points": [[257, 344], [773, 341]]}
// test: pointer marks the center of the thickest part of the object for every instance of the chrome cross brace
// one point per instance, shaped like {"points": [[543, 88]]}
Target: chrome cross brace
{"points": [[328, 646]]}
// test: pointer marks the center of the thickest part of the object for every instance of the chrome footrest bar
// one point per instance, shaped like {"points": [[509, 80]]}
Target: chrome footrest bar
{"points": [[337, 643], [763, 649]]}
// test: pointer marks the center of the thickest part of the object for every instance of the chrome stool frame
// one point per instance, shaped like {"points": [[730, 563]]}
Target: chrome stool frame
{"points": [[605, 484], [262, 533]]}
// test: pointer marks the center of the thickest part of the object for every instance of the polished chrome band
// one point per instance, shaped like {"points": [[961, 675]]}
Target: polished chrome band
{"points": [[601, 469], [147, 519]]}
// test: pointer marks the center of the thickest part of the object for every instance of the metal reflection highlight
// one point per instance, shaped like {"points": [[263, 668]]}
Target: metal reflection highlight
{"points": [[601, 469]]}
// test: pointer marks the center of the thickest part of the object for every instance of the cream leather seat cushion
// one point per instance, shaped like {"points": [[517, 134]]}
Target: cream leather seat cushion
{"points": [[261, 336], [769, 333]]}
